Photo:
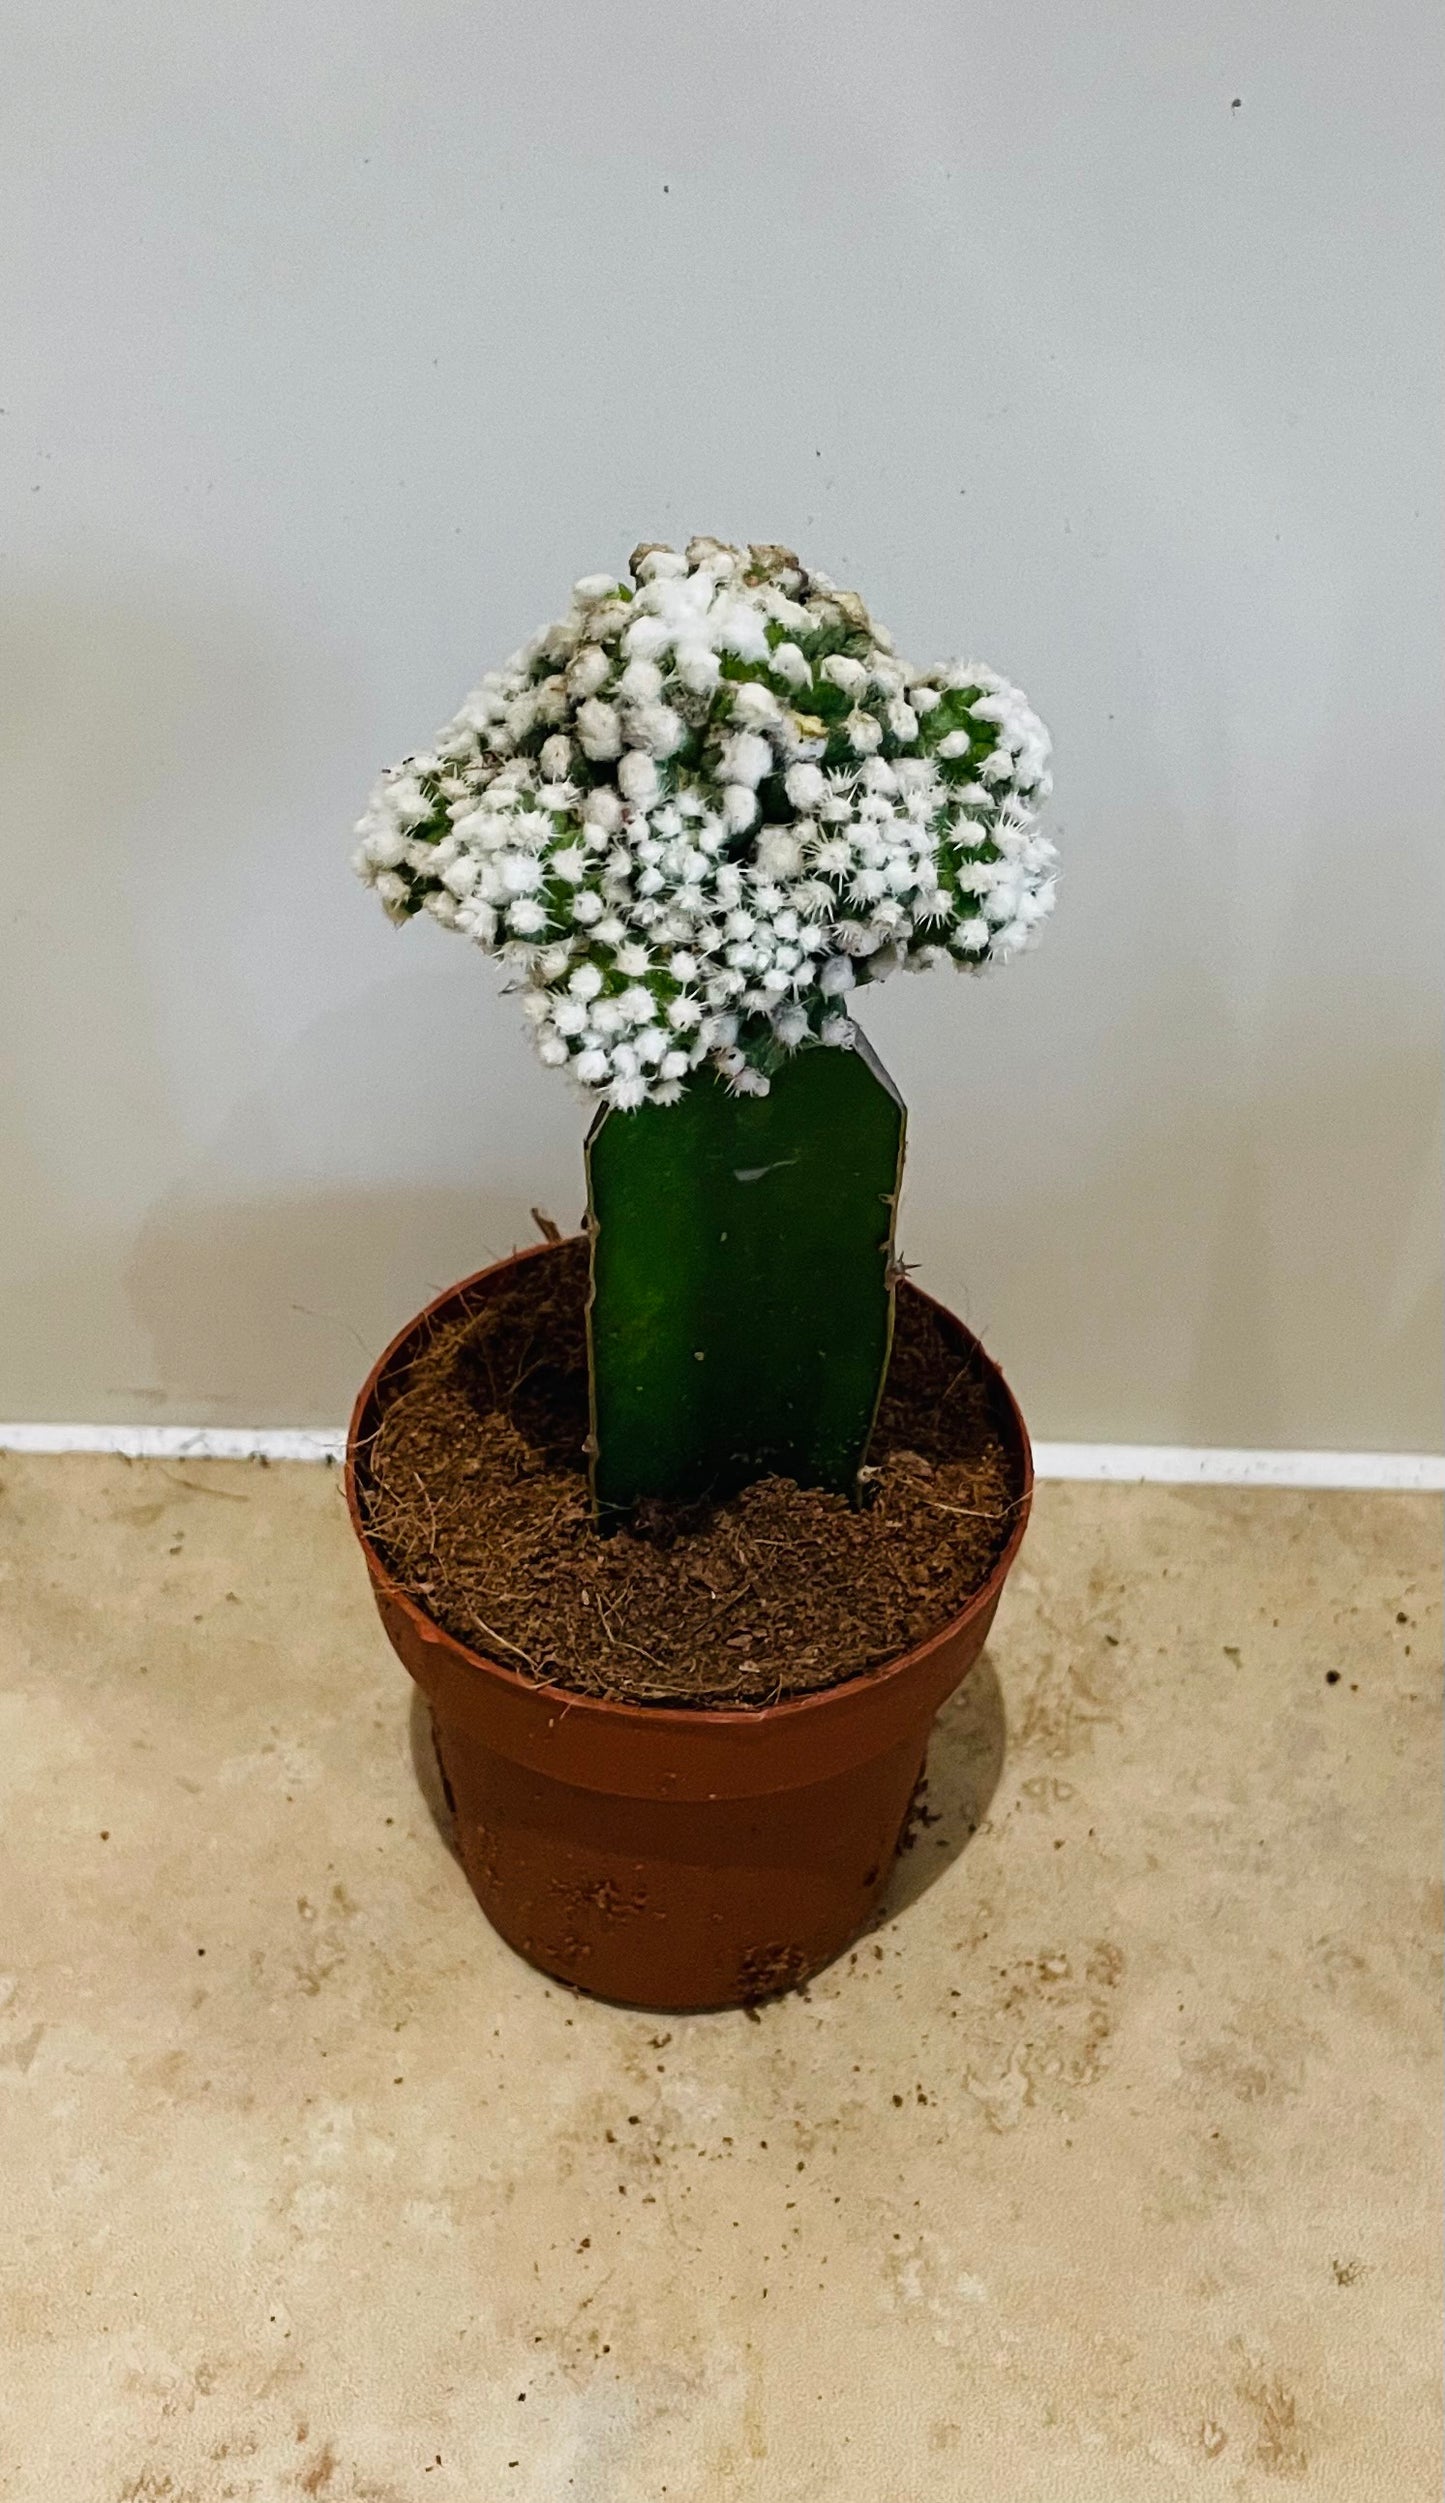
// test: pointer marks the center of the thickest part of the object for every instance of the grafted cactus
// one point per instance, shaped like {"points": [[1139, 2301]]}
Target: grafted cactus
{"points": [[693, 819]]}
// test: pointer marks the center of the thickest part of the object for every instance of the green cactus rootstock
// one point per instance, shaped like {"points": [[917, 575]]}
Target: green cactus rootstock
{"points": [[741, 1310]]}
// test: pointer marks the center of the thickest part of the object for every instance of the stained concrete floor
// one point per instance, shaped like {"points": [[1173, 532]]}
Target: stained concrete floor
{"points": [[1104, 2169]]}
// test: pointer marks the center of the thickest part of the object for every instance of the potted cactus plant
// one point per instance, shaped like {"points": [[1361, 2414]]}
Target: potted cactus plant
{"points": [[693, 820]]}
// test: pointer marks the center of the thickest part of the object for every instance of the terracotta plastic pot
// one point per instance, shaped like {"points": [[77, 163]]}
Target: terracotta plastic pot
{"points": [[673, 1858]]}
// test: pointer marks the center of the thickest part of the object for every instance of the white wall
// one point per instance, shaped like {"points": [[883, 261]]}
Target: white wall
{"points": [[337, 340]]}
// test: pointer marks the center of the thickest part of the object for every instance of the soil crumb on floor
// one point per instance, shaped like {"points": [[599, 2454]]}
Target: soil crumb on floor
{"points": [[475, 1494]]}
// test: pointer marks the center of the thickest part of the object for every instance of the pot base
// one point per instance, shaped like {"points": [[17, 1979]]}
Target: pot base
{"points": [[610, 1896]]}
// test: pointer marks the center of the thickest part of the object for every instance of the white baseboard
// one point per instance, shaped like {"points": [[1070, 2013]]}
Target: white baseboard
{"points": [[179, 1442], [1179, 1464], [1160, 1464]]}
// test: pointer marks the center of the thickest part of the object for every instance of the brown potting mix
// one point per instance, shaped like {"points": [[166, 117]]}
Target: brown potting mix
{"points": [[475, 1493]]}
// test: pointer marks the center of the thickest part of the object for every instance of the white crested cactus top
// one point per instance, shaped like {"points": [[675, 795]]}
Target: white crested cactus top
{"points": [[695, 815]]}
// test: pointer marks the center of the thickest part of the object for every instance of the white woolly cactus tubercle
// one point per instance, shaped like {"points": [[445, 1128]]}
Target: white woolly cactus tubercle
{"points": [[693, 817]]}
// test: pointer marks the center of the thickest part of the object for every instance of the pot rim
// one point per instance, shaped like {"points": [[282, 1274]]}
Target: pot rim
{"points": [[675, 1717]]}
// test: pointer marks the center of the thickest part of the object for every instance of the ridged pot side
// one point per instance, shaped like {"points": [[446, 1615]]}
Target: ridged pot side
{"points": [[669, 1857]]}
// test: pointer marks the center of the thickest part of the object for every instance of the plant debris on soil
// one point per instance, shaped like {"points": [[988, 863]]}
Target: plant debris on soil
{"points": [[474, 1492]]}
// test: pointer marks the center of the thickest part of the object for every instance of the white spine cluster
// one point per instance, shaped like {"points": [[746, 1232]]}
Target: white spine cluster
{"points": [[696, 815]]}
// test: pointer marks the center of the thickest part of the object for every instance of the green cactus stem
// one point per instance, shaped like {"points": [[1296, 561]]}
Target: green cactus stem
{"points": [[741, 1310]]}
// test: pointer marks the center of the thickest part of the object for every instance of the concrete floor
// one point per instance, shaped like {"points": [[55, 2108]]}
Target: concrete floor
{"points": [[1105, 2169]]}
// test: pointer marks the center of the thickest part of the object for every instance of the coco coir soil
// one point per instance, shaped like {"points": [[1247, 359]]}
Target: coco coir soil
{"points": [[474, 1490]]}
